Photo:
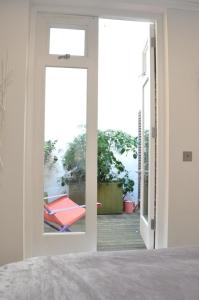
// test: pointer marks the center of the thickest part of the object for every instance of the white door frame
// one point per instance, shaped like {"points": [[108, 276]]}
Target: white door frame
{"points": [[147, 229], [162, 112], [58, 243]]}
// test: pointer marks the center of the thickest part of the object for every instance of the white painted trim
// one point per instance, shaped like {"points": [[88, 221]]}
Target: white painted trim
{"points": [[83, 241], [162, 153], [161, 236], [132, 13], [148, 79], [124, 5], [27, 203]]}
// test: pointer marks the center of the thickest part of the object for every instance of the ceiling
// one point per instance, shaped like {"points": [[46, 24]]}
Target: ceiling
{"points": [[184, 4]]}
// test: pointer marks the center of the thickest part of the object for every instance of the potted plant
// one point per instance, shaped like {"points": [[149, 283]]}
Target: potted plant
{"points": [[113, 178], [74, 163]]}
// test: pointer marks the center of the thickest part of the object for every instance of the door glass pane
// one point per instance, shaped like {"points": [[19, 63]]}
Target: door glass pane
{"points": [[65, 149], [67, 41], [146, 147]]}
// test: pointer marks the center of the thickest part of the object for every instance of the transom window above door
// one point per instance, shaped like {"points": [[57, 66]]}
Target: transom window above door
{"points": [[67, 41]]}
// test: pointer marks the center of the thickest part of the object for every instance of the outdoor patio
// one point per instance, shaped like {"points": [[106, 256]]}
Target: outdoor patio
{"points": [[119, 232], [114, 232]]}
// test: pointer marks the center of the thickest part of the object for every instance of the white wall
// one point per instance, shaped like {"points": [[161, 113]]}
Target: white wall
{"points": [[183, 79], [183, 100], [13, 37]]}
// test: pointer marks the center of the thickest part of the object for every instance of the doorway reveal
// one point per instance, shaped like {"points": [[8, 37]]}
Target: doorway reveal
{"points": [[124, 134]]}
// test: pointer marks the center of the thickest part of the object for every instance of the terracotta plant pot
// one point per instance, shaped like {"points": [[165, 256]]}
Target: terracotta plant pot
{"points": [[129, 207]]}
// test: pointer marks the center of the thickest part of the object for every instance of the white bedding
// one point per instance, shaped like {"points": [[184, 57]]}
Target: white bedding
{"points": [[169, 274]]}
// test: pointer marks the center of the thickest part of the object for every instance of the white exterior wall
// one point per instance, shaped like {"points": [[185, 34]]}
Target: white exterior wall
{"points": [[183, 103]]}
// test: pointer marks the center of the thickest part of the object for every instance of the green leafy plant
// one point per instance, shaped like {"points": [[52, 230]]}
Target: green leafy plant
{"points": [[110, 168], [49, 148], [74, 160], [111, 144]]}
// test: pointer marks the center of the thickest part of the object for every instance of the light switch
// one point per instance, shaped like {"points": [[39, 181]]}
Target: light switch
{"points": [[187, 156]]}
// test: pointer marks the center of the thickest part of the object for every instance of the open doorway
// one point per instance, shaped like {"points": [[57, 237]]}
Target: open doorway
{"points": [[126, 155], [125, 134]]}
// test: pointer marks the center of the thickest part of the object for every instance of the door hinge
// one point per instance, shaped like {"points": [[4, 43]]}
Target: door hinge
{"points": [[153, 42], [154, 132], [152, 224]]}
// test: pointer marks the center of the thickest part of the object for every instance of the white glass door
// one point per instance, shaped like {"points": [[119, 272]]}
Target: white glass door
{"points": [[148, 136], [63, 198]]}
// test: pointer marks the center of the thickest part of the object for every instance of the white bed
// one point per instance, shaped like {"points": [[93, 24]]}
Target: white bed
{"points": [[145, 274]]}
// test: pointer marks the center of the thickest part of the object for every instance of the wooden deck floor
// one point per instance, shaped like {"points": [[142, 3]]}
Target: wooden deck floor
{"points": [[114, 232], [119, 232]]}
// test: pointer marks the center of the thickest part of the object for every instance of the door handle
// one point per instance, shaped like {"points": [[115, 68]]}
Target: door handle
{"points": [[65, 56]]}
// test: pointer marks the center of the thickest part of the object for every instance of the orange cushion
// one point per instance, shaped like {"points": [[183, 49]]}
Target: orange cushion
{"points": [[66, 217]]}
